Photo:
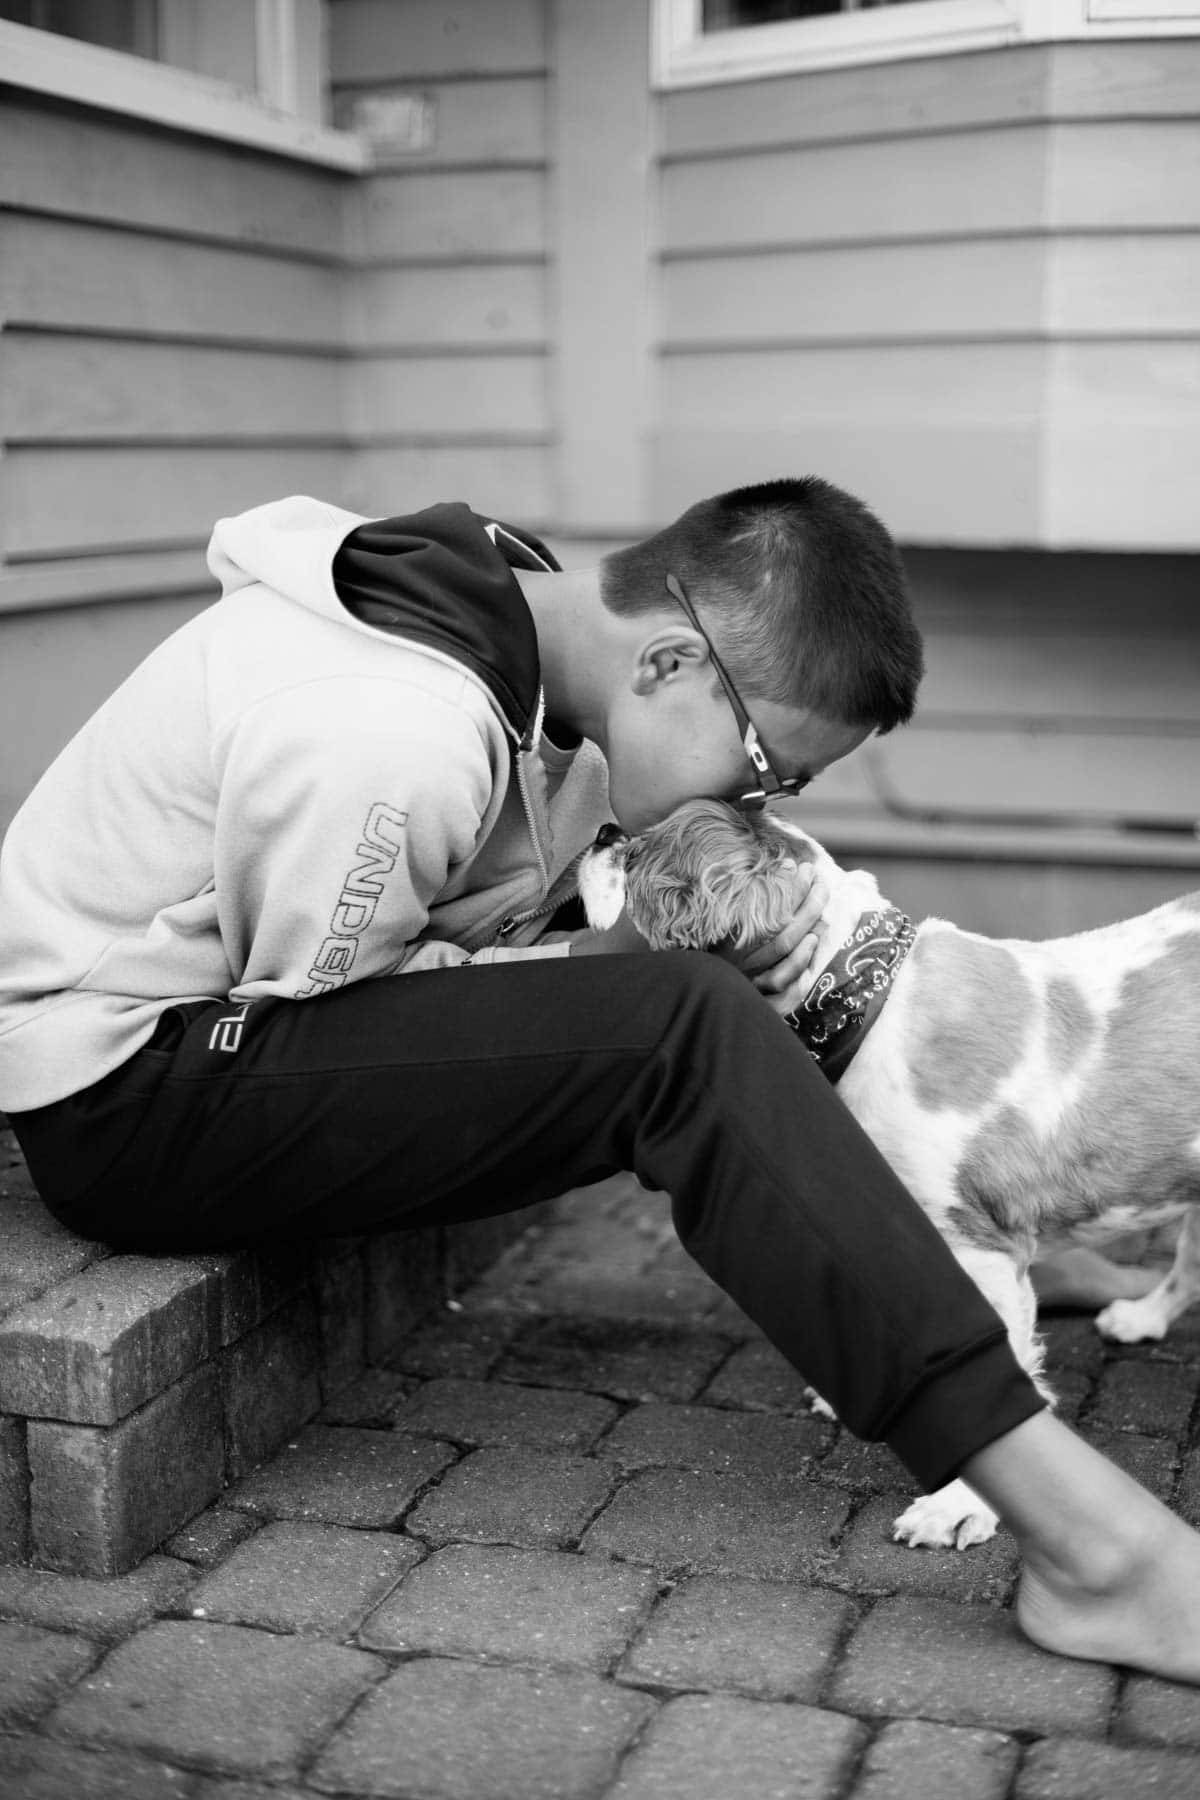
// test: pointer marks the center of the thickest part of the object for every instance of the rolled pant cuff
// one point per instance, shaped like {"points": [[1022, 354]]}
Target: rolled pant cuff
{"points": [[960, 1409]]}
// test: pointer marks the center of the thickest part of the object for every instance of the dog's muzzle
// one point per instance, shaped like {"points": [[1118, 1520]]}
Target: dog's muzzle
{"points": [[601, 877]]}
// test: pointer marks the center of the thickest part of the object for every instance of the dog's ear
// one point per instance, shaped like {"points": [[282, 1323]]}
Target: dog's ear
{"points": [[756, 902], [762, 897], [667, 908], [787, 838]]}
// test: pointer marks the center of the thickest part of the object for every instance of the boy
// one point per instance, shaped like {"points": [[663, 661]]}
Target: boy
{"points": [[279, 958]]}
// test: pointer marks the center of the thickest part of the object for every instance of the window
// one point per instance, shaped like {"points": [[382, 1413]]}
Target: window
{"points": [[129, 25], [727, 15], [247, 70], [697, 41]]}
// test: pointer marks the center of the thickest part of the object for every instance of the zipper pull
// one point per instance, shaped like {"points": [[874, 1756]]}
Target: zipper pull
{"points": [[506, 928]]}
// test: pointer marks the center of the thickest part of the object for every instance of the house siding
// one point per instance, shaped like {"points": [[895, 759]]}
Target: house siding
{"points": [[448, 244], [966, 287], [171, 320]]}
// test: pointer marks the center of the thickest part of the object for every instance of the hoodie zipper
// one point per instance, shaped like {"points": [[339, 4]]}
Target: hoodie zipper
{"points": [[509, 925], [512, 923], [530, 820], [551, 899], [564, 889]]}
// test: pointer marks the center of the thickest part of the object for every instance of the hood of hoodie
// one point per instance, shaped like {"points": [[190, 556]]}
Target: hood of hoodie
{"points": [[441, 578]]}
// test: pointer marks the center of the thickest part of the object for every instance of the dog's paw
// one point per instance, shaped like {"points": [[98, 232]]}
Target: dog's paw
{"points": [[818, 1407], [952, 1519], [1133, 1321]]}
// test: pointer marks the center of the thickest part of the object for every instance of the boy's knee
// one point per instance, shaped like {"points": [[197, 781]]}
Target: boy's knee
{"points": [[704, 982], [678, 999]]}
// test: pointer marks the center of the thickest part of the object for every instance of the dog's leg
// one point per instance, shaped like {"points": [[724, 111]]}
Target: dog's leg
{"points": [[818, 1406], [955, 1517], [1081, 1279], [1133, 1321]]}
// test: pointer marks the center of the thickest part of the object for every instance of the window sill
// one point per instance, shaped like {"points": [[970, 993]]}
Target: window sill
{"points": [[173, 98], [684, 55]]}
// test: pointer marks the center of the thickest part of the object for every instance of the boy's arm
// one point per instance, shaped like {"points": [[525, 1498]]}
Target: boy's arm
{"points": [[782, 969]]}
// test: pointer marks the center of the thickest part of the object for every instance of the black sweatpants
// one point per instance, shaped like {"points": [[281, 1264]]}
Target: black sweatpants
{"points": [[428, 1098]]}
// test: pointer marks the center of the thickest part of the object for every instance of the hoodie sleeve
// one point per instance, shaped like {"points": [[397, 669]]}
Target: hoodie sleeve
{"points": [[345, 805]]}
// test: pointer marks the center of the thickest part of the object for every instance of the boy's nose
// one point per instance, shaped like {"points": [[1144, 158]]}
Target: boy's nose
{"points": [[608, 834]]}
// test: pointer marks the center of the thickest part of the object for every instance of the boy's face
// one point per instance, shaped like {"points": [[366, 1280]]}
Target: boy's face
{"points": [[677, 740]]}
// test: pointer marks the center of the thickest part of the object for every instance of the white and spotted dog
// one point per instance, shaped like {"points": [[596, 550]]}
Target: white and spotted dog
{"points": [[1021, 1091]]}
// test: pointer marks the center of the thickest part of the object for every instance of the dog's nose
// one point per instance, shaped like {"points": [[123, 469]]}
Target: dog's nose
{"points": [[608, 834]]}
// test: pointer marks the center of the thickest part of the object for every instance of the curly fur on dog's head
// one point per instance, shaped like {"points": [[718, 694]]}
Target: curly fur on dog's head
{"points": [[710, 875]]}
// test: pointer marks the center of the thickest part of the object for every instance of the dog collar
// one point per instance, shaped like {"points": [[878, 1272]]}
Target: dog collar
{"points": [[848, 995]]}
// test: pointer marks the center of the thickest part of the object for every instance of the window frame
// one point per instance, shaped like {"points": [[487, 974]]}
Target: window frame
{"points": [[116, 81], [682, 55]]}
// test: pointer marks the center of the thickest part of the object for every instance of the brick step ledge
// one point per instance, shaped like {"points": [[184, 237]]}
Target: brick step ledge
{"points": [[133, 1389]]}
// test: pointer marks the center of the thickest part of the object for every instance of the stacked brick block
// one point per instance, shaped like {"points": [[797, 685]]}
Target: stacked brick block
{"points": [[133, 1389]]}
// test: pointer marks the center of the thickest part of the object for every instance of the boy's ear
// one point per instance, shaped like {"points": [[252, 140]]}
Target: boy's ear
{"points": [[662, 656]]}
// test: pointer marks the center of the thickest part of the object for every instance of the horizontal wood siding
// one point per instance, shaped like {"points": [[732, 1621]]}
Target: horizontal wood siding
{"points": [[1016, 235], [73, 502], [447, 383], [946, 292], [913, 474], [946, 94], [1123, 415], [473, 126], [968, 288], [99, 168], [466, 396], [74, 387], [486, 306], [405, 40], [60, 274], [986, 182], [452, 216], [172, 326], [928, 384], [512, 480], [171, 323], [1061, 703], [1101, 283]]}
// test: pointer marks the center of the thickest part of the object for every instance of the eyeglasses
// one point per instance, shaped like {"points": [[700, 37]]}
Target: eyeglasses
{"points": [[771, 785]]}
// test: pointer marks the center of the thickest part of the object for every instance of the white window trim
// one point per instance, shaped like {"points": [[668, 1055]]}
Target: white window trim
{"points": [[682, 55], [45, 63]]}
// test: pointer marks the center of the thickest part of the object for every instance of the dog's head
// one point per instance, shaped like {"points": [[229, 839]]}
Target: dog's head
{"points": [[707, 875]]}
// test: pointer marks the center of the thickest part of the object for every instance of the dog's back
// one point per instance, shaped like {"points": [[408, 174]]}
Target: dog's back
{"points": [[1030, 1087]]}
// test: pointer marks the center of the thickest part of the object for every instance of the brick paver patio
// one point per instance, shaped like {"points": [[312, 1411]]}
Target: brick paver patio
{"points": [[581, 1540]]}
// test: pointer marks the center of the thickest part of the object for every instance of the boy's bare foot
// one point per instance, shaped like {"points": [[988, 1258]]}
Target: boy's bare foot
{"points": [[1143, 1612], [1082, 1278], [1109, 1573]]}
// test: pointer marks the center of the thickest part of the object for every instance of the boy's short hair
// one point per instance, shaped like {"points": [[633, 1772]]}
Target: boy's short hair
{"points": [[802, 591]]}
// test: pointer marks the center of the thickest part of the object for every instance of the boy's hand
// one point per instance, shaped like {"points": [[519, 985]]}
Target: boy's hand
{"points": [[781, 969], [619, 939]]}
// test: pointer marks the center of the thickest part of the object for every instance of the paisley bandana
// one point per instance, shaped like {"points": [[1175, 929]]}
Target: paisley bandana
{"points": [[848, 995]]}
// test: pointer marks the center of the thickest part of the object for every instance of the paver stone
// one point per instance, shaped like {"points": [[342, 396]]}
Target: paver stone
{"points": [[455, 1731], [218, 1697]]}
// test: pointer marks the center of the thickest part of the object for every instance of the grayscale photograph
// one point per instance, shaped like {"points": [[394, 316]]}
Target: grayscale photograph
{"points": [[599, 899]]}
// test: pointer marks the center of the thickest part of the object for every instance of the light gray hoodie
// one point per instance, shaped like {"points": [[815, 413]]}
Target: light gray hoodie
{"points": [[312, 782]]}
